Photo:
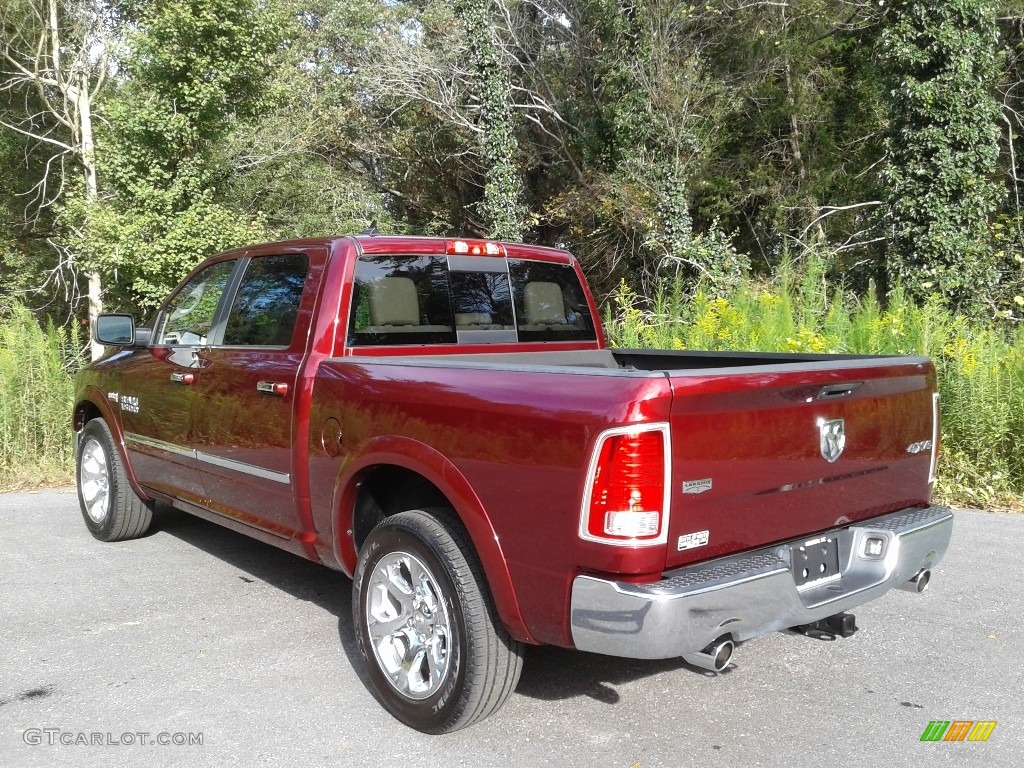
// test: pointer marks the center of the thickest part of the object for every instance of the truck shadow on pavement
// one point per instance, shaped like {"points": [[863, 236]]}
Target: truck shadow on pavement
{"points": [[304, 580], [549, 673]]}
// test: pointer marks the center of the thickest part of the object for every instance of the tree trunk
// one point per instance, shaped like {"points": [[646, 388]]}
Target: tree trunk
{"points": [[88, 159]]}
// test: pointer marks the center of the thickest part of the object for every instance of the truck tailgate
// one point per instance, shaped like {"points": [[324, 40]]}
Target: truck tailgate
{"points": [[770, 453]]}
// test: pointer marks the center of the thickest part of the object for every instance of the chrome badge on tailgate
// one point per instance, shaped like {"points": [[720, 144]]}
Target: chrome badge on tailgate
{"points": [[832, 438]]}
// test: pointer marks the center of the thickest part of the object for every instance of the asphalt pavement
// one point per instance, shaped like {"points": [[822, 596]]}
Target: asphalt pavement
{"points": [[197, 646]]}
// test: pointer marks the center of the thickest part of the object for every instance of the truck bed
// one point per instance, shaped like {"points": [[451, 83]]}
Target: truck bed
{"points": [[644, 360], [747, 468]]}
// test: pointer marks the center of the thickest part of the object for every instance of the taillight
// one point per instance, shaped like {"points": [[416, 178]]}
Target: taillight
{"points": [[626, 500]]}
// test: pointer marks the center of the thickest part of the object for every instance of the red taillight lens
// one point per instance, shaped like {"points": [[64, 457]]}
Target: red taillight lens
{"points": [[627, 503]]}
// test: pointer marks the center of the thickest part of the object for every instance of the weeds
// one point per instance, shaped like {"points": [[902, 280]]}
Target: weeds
{"points": [[980, 369], [36, 389]]}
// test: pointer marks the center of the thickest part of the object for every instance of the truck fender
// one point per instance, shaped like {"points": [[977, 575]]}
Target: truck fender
{"points": [[93, 397], [420, 458]]}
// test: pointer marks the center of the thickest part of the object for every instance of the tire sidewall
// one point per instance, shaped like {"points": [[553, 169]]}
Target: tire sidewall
{"points": [[98, 430], [432, 713]]}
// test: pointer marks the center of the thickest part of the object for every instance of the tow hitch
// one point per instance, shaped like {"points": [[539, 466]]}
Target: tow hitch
{"points": [[838, 625]]}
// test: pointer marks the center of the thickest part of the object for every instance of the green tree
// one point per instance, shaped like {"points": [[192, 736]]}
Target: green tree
{"points": [[641, 120], [941, 60], [502, 207], [312, 163], [194, 70], [54, 56], [803, 124]]}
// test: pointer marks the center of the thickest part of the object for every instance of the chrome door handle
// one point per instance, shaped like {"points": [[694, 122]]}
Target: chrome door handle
{"points": [[272, 388]]}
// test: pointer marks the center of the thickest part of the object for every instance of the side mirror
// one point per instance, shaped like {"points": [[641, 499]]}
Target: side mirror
{"points": [[117, 330]]}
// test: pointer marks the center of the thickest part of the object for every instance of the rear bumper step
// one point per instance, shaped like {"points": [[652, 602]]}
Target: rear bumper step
{"points": [[754, 593]]}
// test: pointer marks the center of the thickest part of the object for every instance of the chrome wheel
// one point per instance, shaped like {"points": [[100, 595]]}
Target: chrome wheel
{"points": [[408, 624], [94, 480]]}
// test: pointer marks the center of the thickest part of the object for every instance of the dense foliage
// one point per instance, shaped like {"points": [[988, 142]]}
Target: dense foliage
{"points": [[942, 147], [654, 138], [663, 142], [980, 368]]}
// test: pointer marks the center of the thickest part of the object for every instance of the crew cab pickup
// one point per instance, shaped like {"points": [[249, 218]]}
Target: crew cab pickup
{"points": [[441, 420]]}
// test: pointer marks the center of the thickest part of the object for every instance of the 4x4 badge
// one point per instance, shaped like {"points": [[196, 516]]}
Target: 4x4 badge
{"points": [[833, 438]]}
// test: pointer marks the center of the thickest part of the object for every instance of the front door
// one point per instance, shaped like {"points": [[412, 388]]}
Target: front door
{"points": [[157, 411]]}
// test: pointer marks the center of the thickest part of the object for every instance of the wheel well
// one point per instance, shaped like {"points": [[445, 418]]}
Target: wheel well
{"points": [[386, 491], [84, 413]]}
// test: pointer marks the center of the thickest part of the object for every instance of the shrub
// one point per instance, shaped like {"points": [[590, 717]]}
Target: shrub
{"points": [[980, 367]]}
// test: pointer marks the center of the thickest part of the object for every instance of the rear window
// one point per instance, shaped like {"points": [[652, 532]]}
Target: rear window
{"points": [[400, 300]]}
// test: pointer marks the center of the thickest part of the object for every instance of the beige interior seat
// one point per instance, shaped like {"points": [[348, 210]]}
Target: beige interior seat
{"points": [[395, 307], [545, 307], [393, 301]]}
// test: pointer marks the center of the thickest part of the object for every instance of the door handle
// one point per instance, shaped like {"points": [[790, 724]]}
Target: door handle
{"points": [[272, 388], [183, 378], [833, 391]]}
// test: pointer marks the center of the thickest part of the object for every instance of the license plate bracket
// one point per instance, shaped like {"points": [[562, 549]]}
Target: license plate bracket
{"points": [[815, 562]]}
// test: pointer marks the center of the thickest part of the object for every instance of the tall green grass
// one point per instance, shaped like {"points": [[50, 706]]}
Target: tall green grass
{"points": [[980, 367], [36, 393], [980, 370]]}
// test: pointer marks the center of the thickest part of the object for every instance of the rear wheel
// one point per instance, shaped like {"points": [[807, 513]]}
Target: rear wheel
{"points": [[110, 507], [438, 655]]}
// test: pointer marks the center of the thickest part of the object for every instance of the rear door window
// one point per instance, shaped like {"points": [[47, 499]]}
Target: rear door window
{"points": [[266, 305]]}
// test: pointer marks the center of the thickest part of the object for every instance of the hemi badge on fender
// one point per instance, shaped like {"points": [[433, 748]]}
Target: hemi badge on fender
{"points": [[697, 486], [693, 540]]}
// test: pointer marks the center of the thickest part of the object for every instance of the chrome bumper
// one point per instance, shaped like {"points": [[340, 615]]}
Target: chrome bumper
{"points": [[753, 593]]}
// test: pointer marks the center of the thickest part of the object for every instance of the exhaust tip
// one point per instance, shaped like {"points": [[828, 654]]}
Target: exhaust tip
{"points": [[714, 658], [919, 582]]}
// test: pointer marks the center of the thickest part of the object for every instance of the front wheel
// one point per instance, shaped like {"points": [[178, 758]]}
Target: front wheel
{"points": [[111, 508], [438, 655]]}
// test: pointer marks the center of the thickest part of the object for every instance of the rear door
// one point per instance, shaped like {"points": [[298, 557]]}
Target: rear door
{"points": [[765, 454], [245, 413]]}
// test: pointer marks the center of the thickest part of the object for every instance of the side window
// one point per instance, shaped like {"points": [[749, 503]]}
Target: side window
{"points": [[267, 303], [188, 318]]}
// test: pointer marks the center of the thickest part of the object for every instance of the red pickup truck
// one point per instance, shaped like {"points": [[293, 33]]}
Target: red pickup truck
{"points": [[441, 420]]}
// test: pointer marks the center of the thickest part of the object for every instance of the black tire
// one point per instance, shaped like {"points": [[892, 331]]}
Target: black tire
{"points": [[111, 508], [476, 662]]}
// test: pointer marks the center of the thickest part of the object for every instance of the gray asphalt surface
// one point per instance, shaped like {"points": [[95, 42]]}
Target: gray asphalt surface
{"points": [[197, 630]]}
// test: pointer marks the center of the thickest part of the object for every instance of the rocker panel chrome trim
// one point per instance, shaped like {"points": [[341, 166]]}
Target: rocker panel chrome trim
{"points": [[241, 466], [208, 458]]}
